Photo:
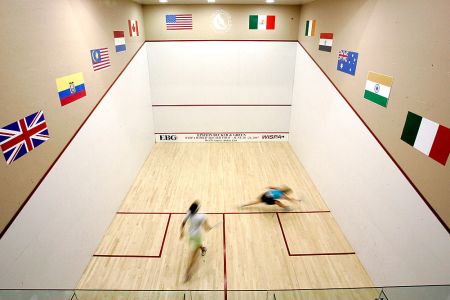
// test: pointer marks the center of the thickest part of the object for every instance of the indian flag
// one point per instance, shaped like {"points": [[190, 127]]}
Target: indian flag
{"points": [[310, 27], [261, 22], [378, 87], [427, 136]]}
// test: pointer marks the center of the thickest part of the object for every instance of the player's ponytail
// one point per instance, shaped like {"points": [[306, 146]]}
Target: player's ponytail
{"points": [[194, 207]]}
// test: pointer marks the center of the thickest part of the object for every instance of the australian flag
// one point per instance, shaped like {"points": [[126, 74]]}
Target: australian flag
{"points": [[347, 62], [20, 137]]}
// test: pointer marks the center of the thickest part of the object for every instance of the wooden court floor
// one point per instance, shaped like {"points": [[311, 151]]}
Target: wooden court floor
{"points": [[256, 248]]}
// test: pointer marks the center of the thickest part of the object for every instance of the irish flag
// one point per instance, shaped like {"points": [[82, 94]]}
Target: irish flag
{"points": [[427, 136], [378, 87], [310, 27], [261, 22]]}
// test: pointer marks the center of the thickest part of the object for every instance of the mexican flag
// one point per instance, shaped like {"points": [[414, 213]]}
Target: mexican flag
{"points": [[378, 87], [427, 136], [261, 22]]}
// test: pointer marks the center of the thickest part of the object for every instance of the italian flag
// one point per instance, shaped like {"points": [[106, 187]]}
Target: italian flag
{"points": [[310, 27], [427, 136], [261, 22], [378, 87]]}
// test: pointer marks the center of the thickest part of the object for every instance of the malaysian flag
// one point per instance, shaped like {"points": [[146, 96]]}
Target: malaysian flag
{"points": [[100, 59], [20, 137], [179, 21]]}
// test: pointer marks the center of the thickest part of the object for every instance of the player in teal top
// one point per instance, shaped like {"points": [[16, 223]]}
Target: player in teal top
{"points": [[273, 196]]}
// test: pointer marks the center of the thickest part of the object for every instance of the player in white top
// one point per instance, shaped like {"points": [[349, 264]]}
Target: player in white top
{"points": [[195, 234]]}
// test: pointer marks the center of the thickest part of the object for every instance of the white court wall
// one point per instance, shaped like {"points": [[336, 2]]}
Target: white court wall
{"points": [[206, 86], [394, 233], [221, 119], [55, 235]]}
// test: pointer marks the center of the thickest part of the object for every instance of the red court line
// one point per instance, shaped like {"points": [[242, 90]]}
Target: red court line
{"points": [[162, 41], [177, 105], [226, 213], [147, 213], [212, 132], [142, 256], [306, 254], [284, 236], [224, 259], [65, 147], [165, 234], [122, 255], [325, 254], [379, 142], [277, 212]]}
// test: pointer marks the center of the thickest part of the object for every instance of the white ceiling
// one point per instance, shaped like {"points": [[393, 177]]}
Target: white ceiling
{"points": [[284, 2]]}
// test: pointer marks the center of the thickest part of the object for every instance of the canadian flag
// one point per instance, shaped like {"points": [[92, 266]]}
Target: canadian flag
{"points": [[133, 27]]}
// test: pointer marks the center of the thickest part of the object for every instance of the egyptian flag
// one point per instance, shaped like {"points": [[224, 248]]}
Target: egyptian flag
{"points": [[326, 41], [430, 138]]}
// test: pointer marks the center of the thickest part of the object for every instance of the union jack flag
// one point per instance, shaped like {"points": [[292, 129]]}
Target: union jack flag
{"points": [[343, 54], [20, 137]]}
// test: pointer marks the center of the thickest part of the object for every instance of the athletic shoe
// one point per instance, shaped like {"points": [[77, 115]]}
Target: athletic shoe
{"points": [[204, 251], [288, 208]]}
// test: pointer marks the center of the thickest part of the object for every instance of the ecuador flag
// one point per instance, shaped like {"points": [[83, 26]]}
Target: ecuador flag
{"points": [[70, 88]]}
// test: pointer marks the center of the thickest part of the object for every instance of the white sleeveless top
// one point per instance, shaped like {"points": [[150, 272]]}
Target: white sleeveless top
{"points": [[196, 223]]}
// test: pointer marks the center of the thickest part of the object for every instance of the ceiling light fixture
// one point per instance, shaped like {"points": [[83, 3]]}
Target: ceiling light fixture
{"points": [[211, 1], [162, 1], [270, 1]]}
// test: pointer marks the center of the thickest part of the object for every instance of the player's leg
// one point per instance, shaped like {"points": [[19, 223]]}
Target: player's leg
{"points": [[202, 246], [278, 202], [191, 263], [196, 245], [252, 203]]}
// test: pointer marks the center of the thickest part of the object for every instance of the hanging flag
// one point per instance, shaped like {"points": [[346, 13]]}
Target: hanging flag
{"points": [[326, 41], [261, 22], [378, 87], [20, 137], [133, 27], [179, 22], [70, 88], [427, 136], [100, 59], [310, 27], [347, 61], [119, 41]]}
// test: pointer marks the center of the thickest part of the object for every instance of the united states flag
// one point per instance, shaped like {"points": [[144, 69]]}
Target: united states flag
{"points": [[19, 138], [179, 21], [100, 59]]}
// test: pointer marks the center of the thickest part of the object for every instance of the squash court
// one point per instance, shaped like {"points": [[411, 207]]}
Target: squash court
{"points": [[260, 247]]}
